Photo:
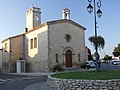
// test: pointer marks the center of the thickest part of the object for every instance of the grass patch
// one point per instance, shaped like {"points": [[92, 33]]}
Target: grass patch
{"points": [[90, 75]]}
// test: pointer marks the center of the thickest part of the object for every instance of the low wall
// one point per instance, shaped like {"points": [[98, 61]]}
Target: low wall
{"points": [[78, 84]]}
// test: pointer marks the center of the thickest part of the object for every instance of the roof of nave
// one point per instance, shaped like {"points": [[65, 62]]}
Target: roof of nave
{"points": [[56, 22], [12, 37]]}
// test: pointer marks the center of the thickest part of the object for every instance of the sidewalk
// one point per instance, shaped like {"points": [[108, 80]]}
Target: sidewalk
{"points": [[39, 86], [32, 74], [49, 73]]}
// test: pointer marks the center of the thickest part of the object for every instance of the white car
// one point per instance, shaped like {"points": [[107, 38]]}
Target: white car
{"points": [[90, 64], [116, 62]]}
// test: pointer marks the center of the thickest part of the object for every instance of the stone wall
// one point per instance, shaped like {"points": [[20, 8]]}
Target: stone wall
{"points": [[80, 84], [59, 45], [37, 58], [16, 51]]}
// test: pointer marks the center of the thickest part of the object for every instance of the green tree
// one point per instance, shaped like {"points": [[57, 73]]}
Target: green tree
{"points": [[99, 41], [116, 50], [89, 54], [107, 57]]}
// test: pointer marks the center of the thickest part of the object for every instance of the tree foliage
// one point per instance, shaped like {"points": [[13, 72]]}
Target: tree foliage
{"points": [[99, 41], [89, 54], [116, 50], [107, 57]]}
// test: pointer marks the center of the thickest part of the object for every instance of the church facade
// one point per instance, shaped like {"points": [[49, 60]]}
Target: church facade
{"points": [[43, 46]]}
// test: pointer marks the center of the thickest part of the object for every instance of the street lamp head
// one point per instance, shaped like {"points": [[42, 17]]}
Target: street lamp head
{"points": [[90, 8], [99, 13]]}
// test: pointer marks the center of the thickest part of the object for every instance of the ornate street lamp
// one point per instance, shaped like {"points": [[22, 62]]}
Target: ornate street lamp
{"points": [[90, 8], [99, 14]]}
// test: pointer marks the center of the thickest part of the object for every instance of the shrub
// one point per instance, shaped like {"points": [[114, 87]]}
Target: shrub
{"points": [[83, 65], [57, 68]]}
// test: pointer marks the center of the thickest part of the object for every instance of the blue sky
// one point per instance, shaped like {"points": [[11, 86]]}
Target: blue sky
{"points": [[12, 18]]}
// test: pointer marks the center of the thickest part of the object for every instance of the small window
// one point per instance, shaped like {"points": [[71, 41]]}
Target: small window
{"points": [[35, 42], [57, 58], [78, 57], [31, 43]]}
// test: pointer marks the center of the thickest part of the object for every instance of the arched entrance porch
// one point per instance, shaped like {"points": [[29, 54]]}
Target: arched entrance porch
{"points": [[68, 57]]}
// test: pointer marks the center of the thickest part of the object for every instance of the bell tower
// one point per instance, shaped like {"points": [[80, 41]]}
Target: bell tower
{"points": [[33, 18], [66, 13]]}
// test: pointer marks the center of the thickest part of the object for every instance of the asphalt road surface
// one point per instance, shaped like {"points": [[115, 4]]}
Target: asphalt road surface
{"points": [[15, 82], [109, 66]]}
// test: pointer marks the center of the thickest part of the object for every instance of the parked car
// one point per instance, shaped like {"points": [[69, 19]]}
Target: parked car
{"points": [[116, 62], [90, 64]]}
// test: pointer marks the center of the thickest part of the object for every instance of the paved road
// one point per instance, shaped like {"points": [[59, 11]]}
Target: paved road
{"points": [[10, 77], [39, 86], [16, 82], [109, 66]]}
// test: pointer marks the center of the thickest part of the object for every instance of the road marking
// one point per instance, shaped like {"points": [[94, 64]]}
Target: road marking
{"points": [[2, 80], [15, 79]]}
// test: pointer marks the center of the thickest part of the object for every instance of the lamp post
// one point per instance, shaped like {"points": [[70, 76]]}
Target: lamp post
{"points": [[99, 14]]}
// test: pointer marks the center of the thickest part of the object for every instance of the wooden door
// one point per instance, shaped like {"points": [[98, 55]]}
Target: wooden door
{"points": [[68, 58]]}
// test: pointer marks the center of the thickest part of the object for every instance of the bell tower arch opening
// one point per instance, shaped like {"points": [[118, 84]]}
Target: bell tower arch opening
{"points": [[66, 13]]}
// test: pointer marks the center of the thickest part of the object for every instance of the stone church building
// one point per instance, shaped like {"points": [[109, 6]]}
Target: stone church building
{"points": [[42, 46]]}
